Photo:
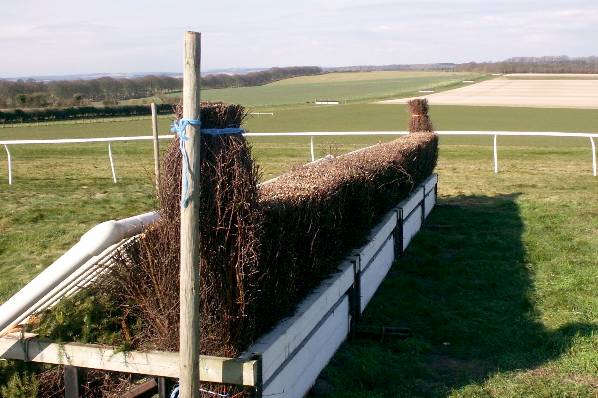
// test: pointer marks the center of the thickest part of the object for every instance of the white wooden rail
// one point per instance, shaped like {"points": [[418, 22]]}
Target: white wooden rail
{"points": [[152, 363], [71, 269], [311, 135]]}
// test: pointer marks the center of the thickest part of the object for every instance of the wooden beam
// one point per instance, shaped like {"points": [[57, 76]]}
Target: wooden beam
{"points": [[165, 387], [145, 389], [151, 363], [189, 276]]}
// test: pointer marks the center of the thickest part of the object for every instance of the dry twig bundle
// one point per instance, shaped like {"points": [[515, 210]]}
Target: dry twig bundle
{"points": [[419, 120], [263, 248]]}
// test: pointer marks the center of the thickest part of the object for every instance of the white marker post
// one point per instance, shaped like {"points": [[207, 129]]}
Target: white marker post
{"points": [[495, 150], [156, 145], [189, 277]]}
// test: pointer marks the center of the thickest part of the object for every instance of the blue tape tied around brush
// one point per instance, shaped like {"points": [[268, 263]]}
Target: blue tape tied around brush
{"points": [[180, 127], [225, 131]]}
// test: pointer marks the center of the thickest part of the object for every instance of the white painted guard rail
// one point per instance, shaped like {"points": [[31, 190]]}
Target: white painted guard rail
{"points": [[311, 135], [57, 278]]}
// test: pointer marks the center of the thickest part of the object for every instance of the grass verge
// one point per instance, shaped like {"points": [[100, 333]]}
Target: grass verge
{"points": [[498, 289]]}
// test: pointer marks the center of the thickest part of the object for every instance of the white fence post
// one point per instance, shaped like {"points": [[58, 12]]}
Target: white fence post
{"points": [[311, 144], [593, 155], [156, 145], [495, 156], [10, 165], [111, 162]]}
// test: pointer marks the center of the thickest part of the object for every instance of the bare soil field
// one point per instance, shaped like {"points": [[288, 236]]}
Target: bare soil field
{"points": [[557, 76], [543, 93]]}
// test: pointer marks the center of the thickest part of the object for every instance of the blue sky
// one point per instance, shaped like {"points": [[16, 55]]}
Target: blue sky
{"points": [[40, 37]]}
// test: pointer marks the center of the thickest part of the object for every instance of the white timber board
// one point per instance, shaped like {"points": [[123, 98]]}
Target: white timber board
{"points": [[409, 204], [374, 274], [279, 344], [153, 363], [430, 202], [298, 375], [411, 226], [430, 183], [376, 239]]}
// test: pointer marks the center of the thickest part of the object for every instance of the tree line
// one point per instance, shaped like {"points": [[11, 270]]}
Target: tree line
{"points": [[223, 80], [560, 64], [79, 112], [37, 94]]}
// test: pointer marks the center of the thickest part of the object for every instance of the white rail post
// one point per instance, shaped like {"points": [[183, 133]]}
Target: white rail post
{"points": [[111, 162], [495, 156], [593, 155], [9, 160], [156, 145], [190, 276], [311, 144]]}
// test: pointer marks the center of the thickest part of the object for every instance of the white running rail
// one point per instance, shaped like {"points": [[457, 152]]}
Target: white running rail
{"points": [[72, 270], [311, 135]]}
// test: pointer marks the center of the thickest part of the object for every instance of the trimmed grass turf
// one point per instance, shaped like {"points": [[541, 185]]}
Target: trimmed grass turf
{"points": [[351, 117], [498, 289], [358, 86]]}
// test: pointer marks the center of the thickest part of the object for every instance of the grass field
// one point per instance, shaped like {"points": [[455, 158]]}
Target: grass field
{"points": [[351, 87], [351, 117], [499, 287]]}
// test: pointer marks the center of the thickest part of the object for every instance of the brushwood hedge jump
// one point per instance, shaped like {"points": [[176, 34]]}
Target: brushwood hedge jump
{"points": [[264, 249]]}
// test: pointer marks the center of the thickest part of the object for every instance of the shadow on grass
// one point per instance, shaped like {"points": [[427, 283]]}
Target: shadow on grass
{"points": [[466, 290]]}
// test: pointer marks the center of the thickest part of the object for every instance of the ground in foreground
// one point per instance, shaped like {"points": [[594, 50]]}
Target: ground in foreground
{"points": [[498, 289]]}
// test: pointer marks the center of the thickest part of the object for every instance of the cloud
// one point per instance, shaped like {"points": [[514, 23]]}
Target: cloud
{"points": [[67, 36]]}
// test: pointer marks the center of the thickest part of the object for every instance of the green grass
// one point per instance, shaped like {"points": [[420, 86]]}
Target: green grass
{"points": [[498, 288], [359, 86], [354, 117]]}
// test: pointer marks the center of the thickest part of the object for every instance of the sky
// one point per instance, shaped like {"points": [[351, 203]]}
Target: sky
{"points": [[59, 37]]}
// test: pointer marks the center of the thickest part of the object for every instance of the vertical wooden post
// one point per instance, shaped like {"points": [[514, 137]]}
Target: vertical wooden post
{"points": [[165, 386], [71, 382], [156, 145], [189, 277]]}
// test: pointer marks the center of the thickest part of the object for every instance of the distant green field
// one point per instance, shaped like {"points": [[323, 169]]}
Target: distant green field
{"points": [[359, 86], [356, 117]]}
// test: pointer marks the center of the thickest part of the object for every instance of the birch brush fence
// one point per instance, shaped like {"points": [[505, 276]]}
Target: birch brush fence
{"points": [[286, 361], [323, 235]]}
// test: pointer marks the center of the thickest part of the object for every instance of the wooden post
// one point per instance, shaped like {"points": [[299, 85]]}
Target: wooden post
{"points": [[156, 145], [189, 277], [165, 386], [72, 382]]}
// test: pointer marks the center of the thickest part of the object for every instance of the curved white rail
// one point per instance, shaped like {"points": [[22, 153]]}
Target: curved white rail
{"points": [[9, 160], [92, 244]]}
